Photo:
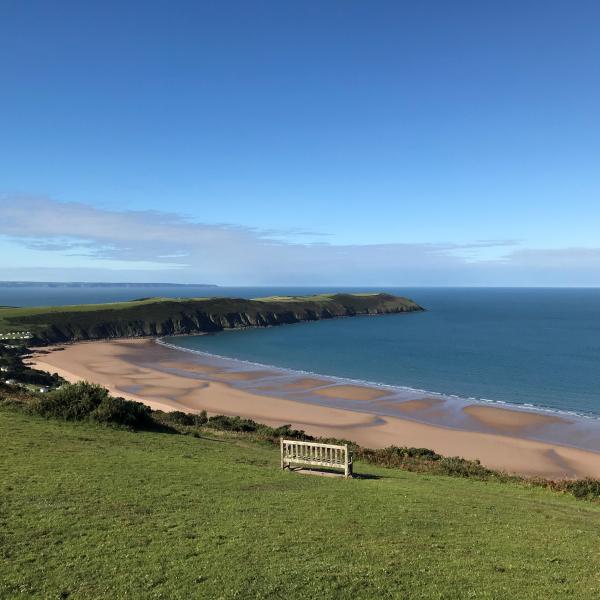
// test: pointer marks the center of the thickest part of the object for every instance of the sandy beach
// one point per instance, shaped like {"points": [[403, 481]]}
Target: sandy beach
{"points": [[168, 379]]}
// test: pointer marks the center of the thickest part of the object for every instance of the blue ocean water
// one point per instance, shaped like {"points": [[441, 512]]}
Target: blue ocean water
{"points": [[515, 345], [536, 347]]}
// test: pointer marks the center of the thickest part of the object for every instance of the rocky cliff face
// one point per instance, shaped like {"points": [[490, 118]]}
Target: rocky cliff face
{"points": [[173, 317]]}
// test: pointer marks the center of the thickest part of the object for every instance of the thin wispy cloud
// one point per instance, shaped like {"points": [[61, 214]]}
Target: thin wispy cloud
{"points": [[233, 254]]}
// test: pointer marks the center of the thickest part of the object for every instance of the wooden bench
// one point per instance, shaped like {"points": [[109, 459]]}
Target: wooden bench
{"points": [[316, 455]]}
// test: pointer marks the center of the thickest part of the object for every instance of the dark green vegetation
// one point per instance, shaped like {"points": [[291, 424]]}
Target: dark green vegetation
{"points": [[12, 368], [169, 316], [96, 512], [84, 401]]}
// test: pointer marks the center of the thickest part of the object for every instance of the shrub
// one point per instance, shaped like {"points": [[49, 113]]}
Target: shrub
{"points": [[461, 467], [177, 418], [72, 402], [399, 456], [226, 423], [122, 412], [12, 359], [426, 460], [26, 375], [584, 488], [86, 401], [241, 425], [180, 418], [286, 431], [15, 396]]}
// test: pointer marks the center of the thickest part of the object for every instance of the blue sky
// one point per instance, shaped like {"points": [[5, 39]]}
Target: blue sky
{"points": [[431, 143]]}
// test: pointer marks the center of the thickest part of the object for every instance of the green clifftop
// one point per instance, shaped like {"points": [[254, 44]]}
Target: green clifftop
{"points": [[92, 512], [172, 316]]}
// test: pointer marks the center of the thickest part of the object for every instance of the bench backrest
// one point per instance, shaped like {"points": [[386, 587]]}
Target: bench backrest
{"points": [[314, 454]]}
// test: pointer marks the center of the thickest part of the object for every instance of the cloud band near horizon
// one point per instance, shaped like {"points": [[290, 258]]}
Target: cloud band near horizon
{"points": [[63, 241]]}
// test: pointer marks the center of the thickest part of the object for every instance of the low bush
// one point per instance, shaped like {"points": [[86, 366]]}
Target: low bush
{"points": [[241, 425], [397, 456], [72, 402], [461, 467], [426, 460], [15, 396], [583, 488], [226, 423], [179, 418], [119, 411], [86, 401], [287, 431]]}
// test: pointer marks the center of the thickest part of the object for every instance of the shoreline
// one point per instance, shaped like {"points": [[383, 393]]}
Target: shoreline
{"points": [[172, 379], [475, 401]]}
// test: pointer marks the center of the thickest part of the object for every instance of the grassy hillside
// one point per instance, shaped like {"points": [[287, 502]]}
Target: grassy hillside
{"points": [[94, 512], [162, 316]]}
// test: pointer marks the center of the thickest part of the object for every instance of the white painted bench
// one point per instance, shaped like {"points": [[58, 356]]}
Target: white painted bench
{"points": [[316, 455]]}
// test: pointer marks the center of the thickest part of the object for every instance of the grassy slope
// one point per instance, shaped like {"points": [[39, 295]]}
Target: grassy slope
{"points": [[12, 318], [89, 512]]}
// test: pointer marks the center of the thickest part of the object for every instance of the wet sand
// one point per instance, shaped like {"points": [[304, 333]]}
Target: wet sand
{"points": [[509, 419], [421, 404], [352, 392], [168, 379], [305, 383]]}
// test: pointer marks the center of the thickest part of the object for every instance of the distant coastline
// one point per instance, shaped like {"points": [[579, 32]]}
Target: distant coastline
{"points": [[98, 284]]}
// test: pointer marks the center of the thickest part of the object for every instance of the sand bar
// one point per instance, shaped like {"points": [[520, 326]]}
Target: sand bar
{"points": [[421, 404], [352, 392], [305, 383], [509, 419], [132, 368]]}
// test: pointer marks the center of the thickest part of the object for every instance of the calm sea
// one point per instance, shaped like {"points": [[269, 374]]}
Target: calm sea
{"points": [[526, 346]]}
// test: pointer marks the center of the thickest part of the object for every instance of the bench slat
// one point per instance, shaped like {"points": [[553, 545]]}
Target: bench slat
{"points": [[299, 443], [314, 454]]}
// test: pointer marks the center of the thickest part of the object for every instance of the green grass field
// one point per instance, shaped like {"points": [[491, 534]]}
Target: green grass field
{"points": [[10, 317], [94, 512]]}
